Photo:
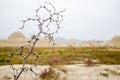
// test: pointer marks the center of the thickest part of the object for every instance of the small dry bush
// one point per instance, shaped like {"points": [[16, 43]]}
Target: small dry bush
{"points": [[55, 59], [51, 74], [90, 62]]}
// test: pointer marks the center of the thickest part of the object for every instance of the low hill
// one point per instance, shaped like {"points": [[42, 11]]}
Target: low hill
{"points": [[115, 41], [17, 39], [17, 35]]}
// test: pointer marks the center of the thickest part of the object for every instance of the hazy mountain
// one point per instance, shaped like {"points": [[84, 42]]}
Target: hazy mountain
{"points": [[64, 40]]}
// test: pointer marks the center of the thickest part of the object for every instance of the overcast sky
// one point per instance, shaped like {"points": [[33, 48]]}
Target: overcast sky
{"points": [[83, 19]]}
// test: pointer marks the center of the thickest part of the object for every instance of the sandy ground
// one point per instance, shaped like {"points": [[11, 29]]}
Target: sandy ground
{"points": [[73, 72], [98, 72]]}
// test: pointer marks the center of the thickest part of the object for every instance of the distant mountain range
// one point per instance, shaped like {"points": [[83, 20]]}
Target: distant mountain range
{"points": [[64, 40]]}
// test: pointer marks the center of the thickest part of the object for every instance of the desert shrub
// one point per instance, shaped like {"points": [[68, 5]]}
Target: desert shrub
{"points": [[90, 62], [104, 74], [48, 74], [61, 52], [55, 59], [51, 74], [2, 59]]}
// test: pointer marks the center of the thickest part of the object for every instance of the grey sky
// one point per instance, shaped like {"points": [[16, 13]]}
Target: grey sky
{"points": [[84, 19]]}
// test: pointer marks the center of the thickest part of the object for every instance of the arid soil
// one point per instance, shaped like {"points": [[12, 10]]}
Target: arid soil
{"points": [[72, 72]]}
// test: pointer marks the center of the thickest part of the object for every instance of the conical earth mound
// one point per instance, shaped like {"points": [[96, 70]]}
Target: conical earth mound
{"points": [[116, 39], [17, 35]]}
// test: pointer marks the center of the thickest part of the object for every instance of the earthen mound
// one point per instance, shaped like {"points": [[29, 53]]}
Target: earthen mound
{"points": [[17, 35], [116, 39]]}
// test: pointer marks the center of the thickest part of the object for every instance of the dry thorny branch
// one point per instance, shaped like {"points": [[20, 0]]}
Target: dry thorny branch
{"points": [[52, 16]]}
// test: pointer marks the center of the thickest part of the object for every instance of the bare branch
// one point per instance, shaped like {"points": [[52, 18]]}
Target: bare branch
{"points": [[53, 17]]}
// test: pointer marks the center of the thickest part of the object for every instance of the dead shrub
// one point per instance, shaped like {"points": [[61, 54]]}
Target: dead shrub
{"points": [[55, 59], [51, 74]]}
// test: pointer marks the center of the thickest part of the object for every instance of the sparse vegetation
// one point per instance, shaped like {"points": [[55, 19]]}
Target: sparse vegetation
{"points": [[66, 55], [104, 74], [2, 59]]}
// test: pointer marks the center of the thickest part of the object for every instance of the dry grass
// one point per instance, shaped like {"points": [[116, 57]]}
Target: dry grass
{"points": [[62, 55]]}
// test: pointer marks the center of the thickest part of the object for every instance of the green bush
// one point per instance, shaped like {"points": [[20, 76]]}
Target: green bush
{"points": [[2, 59]]}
